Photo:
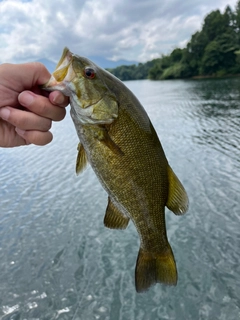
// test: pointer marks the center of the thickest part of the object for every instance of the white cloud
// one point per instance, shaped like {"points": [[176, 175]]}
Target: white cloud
{"points": [[119, 29]]}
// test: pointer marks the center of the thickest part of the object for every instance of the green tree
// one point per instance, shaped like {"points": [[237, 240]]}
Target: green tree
{"points": [[194, 52], [211, 59], [214, 50], [228, 46], [214, 25], [155, 72], [176, 55], [237, 21], [229, 18]]}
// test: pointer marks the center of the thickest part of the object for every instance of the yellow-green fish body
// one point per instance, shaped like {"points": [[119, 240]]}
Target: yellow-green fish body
{"points": [[119, 141]]}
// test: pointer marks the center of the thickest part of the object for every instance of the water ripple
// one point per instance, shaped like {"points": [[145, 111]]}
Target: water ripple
{"points": [[58, 261]]}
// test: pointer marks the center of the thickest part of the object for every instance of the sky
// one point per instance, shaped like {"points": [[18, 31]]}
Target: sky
{"points": [[136, 30]]}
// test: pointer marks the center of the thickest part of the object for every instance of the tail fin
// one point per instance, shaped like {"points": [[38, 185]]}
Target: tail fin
{"points": [[153, 267]]}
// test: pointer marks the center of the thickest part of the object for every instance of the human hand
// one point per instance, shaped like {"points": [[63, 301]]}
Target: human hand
{"points": [[27, 111]]}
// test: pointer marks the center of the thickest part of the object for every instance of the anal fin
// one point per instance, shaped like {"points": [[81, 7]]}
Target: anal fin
{"points": [[177, 197], [114, 218]]}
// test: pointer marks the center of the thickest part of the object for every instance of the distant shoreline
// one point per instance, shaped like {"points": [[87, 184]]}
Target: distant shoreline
{"points": [[216, 76]]}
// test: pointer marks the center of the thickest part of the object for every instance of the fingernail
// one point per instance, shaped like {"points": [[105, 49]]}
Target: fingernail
{"points": [[4, 113], [26, 98], [57, 98], [20, 131]]}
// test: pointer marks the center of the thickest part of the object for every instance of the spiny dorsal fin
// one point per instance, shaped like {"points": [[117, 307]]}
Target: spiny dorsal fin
{"points": [[114, 218], [81, 159], [177, 197]]}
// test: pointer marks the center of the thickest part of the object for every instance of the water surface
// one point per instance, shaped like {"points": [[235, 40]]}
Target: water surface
{"points": [[58, 261]]}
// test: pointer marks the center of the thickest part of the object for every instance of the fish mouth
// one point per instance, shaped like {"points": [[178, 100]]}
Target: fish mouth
{"points": [[62, 75]]}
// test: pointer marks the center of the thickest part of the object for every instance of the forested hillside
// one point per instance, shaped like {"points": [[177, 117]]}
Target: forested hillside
{"points": [[213, 51]]}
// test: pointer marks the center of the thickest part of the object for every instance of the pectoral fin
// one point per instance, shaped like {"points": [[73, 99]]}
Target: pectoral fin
{"points": [[177, 197], [81, 159], [114, 218], [103, 136]]}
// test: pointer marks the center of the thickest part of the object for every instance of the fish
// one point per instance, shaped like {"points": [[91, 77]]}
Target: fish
{"points": [[119, 141]]}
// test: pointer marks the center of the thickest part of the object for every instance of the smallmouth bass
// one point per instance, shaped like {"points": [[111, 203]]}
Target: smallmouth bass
{"points": [[119, 141]]}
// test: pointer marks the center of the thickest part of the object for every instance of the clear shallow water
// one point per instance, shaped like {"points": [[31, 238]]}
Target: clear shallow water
{"points": [[58, 261]]}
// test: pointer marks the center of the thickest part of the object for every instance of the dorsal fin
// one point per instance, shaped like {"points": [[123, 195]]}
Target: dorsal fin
{"points": [[114, 218], [177, 197]]}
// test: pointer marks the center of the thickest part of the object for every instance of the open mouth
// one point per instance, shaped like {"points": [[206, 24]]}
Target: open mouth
{"points": [[62, 75]]}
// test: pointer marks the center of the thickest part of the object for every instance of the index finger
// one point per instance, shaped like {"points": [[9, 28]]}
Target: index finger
{"points": [[25, 76], [41, 106]]}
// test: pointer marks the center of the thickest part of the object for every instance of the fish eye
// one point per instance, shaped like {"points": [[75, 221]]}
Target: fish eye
{"points": [[89, 73]]}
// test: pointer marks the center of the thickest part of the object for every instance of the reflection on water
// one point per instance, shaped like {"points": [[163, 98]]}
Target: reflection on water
{"points": [[57, 260]]}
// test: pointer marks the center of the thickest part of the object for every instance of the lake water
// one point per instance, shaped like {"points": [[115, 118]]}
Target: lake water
{"points": [[58, 261]]}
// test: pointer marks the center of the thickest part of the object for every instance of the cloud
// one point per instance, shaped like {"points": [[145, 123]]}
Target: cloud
{"points": [[119, 29]]}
